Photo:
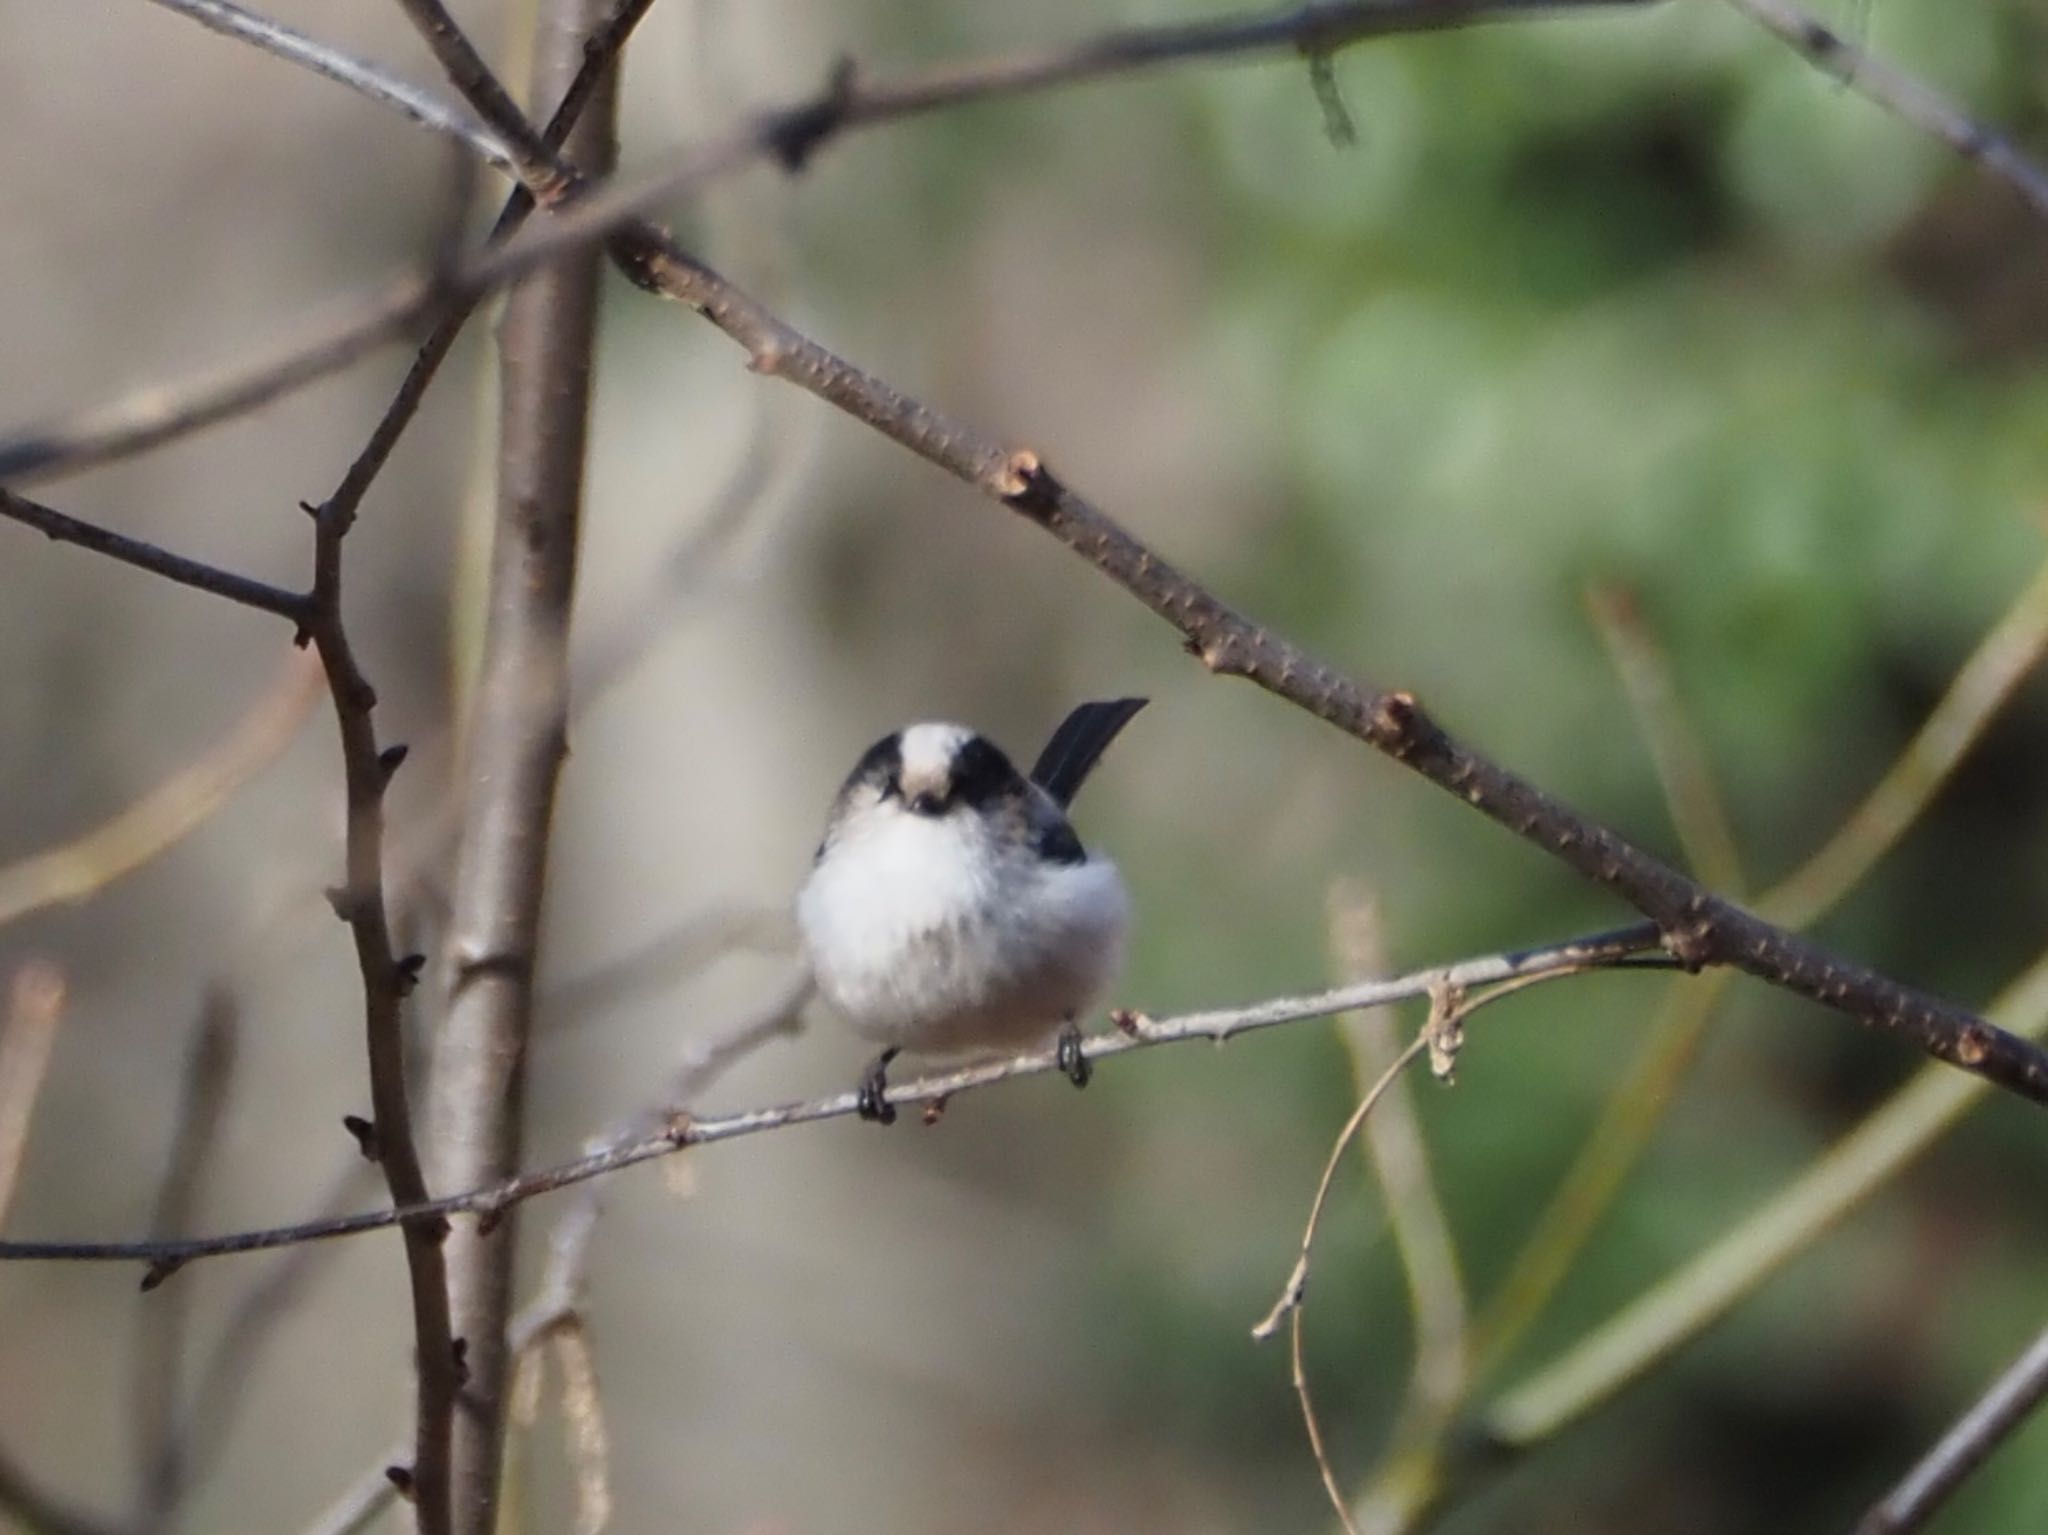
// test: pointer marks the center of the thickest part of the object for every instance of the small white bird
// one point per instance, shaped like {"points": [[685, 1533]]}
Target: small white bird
{"points": [[951, 910]]}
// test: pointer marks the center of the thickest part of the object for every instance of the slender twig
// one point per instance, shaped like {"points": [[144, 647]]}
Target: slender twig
{"points": [[597, 65], [516, 735], [66, 529], [360, 903], [1294, 1295], [1902, 94], [160, 1348], [1988, 1423], [789, 134], [1440, 1036], [1620, 948], [359, 75], [28, 1035], [169, 812]]}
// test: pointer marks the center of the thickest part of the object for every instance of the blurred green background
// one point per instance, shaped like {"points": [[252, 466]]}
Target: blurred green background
{"points": [[1635, 301]]}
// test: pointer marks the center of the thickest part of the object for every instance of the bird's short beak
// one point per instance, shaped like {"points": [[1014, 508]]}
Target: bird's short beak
{"points": [[924, 794]]}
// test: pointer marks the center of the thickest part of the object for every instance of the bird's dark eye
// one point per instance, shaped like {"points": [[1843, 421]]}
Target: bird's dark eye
{"points": [[982, 773]]}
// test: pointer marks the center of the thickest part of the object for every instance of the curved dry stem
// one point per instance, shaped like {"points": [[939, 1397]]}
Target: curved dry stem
{"points": [[28, 1036], [172, 811], [1701, 1292], [1982, 685]]}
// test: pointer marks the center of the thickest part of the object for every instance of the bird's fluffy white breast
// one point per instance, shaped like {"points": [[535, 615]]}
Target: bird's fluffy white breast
{"points": [[933, 934]]}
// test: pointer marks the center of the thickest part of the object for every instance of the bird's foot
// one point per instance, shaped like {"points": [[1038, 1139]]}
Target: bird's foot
{"points": [[1072, 1063], [872, 1102]]}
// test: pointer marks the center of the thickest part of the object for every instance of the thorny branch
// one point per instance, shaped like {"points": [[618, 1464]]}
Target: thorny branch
{"points": [[1620, 948], [387, 979]]}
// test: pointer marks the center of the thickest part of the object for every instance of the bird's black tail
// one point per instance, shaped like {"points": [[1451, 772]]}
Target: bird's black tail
{"points": [[1078, 745]]}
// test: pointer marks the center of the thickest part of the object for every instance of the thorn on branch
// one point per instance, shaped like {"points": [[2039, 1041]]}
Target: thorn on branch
{"points": [[489, 1218], [459, 1351], [392, 758], [794, 136], [158, 1271], [343, 901], [406, 973], [400, 1477], [366, 1136]]}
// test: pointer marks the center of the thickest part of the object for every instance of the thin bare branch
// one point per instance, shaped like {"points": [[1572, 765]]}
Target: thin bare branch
{"points": [[65, 529], [1620, 948], [160, 1348], [1910, 99], [171, 811], [359, 75], [387, 978], [790, 134], [1990, 1421]]}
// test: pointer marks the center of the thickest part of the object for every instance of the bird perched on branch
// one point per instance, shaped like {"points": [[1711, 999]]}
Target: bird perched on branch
{"points": [[951, 910]]}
